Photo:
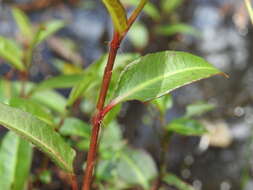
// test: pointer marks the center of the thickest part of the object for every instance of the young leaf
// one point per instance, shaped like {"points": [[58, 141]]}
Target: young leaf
{"points": [[94, 73], [173, 180], [157, 74], [118, 14], [150, 9], [38, 133], [250, 9], [170, 5], [32, 107], [51, 99], [198, 109], [185, 126], [23, 23], [47, 30], [11, 52], [169, 30], [136, 167], [74, 126], [62, 81], [163, 103], [138, 35], [15, 162]]}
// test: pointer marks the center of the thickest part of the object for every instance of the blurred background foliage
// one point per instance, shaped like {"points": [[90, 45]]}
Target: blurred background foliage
{"points": [[207, 127]]}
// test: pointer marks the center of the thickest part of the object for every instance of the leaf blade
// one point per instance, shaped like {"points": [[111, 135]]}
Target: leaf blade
{"points": [[118, 14], [172, 179], [157, 74], [11, 52], [17, 153], [38, 133]]}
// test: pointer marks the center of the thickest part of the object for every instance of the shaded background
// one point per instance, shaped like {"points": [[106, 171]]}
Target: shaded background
{"points": [[220, 32]]}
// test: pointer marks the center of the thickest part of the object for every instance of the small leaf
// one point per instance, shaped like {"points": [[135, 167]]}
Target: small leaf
{"points": [[62, 81], [163, 103], [118, 14], [173, 180], [169, 30], [34, 108], [51, 99], [169, 6], [38, 133], [45, 176], [92, 76], [15, 162], [185, 126], [47, 30], [11, 52], [198, 109], [136, 167], [67, 68], [138, 35], [111, 139], [74, 126], [23, 23], [150, 9], [250, 9], [157, 74]]}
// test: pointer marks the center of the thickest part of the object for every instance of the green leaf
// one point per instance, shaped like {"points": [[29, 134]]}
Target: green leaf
{"points": [[250, 9], [118, 14], [198, 108], [32, 107], [170, 5], [163, 103], [111, 116], [67, 68], [74, 126], [15, 162], [157, 74], [173, 180], [46, 30], [184, 126], [38, 133], [136, 167], [62, 81], [169, 30], [11, 52], [92, 76], [138, 35], [23, 23], [45, 176], [150, 9], [51, 99]]}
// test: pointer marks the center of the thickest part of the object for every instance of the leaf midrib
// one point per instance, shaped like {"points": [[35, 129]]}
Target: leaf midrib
{"points": [[149, 82], [136, 168], [24, 134]]}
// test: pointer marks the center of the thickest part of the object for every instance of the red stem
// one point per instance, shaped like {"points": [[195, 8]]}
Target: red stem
{"points": [[100, 113], [74, 182], [98, 117]]}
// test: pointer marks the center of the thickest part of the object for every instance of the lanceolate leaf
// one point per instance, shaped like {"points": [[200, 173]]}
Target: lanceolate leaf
{"points": [[23, 23], [173, 180], [10, 51], [198, 108], [136, 167], [32, 107], [157, 74], [62, 81], [47, 30], [186, 126], [15, 162], [38, 133], [117, 13]]}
